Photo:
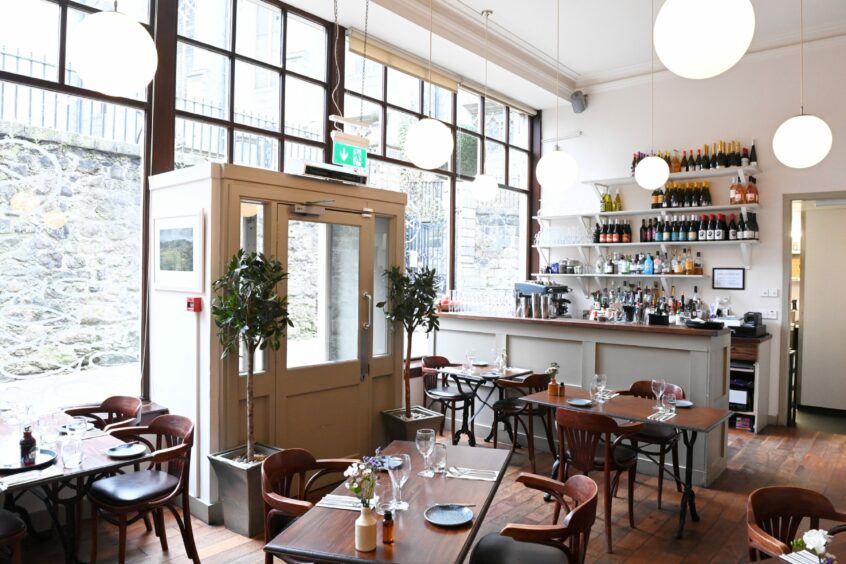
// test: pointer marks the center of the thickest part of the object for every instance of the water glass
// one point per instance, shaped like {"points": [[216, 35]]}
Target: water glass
{"points": [[48, 429], [425, 441], [399, 474], [601, 382], [382, 494], [77, 427], [670, 403], [439, 458], [72, 452], [594, 391], [471, 358]]}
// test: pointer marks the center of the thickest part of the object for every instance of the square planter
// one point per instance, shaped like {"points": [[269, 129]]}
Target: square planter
{"points": [[239, 487], [399, 428]]}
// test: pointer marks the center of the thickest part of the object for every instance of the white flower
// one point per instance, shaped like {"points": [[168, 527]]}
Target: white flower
{"points": [[815, 540]]}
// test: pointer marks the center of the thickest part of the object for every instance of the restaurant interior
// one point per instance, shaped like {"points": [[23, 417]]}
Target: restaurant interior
{"points": [[422, 281]]}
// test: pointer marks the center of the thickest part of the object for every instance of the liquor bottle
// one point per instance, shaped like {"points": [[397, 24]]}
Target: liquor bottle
{"points": [[753, 155], [650, 231], [691, 161], [733, 190], [597, 233], [712, 227], [644, 235], [702, 235], [752, 191], [714, 156], [698, 266], [718, 155], [27, 443], [618, 201], [732, 229], [720, 230], [665, 200], [706, 160], [649, 266], [675, 163], [668, 232], [688, 263], [692, 229], [684, 164], [740, 193], [697, 164]]}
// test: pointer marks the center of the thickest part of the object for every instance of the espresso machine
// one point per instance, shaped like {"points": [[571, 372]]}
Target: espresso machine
{"points": [[540, 301]]}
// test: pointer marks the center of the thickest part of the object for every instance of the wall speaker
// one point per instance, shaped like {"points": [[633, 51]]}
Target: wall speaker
{"points": [[579, 101]]}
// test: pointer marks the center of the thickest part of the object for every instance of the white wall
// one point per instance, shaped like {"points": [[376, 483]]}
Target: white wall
{"points": [[749, 101]]}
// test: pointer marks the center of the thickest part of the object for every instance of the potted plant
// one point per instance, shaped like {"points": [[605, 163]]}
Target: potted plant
{"points": [[248, 311], [411, 303]]}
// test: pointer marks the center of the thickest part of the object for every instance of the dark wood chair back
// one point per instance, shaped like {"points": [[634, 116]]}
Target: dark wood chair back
{"points": [[531, 384], [430, 366], [643, 389], [582, 433], [113, 412]]}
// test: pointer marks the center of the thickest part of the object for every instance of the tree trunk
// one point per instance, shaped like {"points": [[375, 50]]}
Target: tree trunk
{"points": [[251, 447], [406, 378]]}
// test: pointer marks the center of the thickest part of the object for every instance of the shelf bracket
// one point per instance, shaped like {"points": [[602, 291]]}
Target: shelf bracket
{"points": [[585, 254]]}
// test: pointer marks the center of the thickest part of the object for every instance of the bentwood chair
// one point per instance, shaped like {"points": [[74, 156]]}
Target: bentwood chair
{"points": [[438, 389], [114, 412], [587, 443], [546, 544], [663, 437], [512, 407], [123, 499], [285, 489], [12, 532], [773, 516]]}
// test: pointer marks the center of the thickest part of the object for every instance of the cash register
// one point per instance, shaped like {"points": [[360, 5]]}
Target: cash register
{"points": [[751, 326]]}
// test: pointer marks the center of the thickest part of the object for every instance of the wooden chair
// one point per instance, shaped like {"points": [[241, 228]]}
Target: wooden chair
{"points": [[125, 498], [285, 489], [114, 412], [12, 532], [773, 516], [590, 445], [542, 544], [665, 438], [512, 407], [438, 389]]}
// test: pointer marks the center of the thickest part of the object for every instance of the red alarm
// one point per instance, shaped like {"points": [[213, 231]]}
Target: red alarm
{"points": [[195, 305]]}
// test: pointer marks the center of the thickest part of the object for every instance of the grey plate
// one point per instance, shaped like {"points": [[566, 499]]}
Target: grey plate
{"points": [[577, 402], [127, 450], [43, 458], [448, 515], [684, 403], [64, 428]]}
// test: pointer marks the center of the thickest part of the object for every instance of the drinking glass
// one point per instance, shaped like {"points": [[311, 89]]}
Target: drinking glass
{"points": [[72, 451], [77, 427], [439, 458], [594, 391], [670, 403], [601, 382], [471, 358], [382, 494], [48, 429], [425, 441], [658, 386], [399, 474]]}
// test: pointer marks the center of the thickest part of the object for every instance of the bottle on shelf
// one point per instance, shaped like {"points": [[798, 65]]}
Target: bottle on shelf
{"points": [[626, 236], [712, 227], [753, 155], [688, 263], [741, 228], [706, 194], [738, 157], [752, 227], [714, 156], [702, 234], [706, 159], [721, 228], [618, 202], [698, 267], [692, 229], [752, 191], [697, 164], [691, 161], [603, 234], [675, 162], [667, 233], [607, 204], [685, 167], [616, 232], [744, 158], [597, 233], [732, 229], [648, 266]]}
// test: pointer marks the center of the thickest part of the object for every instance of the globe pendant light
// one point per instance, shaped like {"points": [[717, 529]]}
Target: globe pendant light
{"points": [[113, 54], [557, 170], [703, 38], [429, 143], [485, 186], [804, 140], [652, 172]]}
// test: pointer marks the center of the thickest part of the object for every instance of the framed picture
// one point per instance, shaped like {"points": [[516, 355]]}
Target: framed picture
{"points": [[728, 278], [178, 253]]}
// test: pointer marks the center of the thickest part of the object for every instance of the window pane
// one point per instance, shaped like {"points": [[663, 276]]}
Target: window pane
{"points": [[198, 142], [495, 119], [356, 107], [256, 150], [403, 90], [397, 124], [491, 241], [296, 153], [381, 262], [256, 96], [495, 160], [468, 154], [71, 224], [202, 82], [259, 34], [518, 128], [209, 21], [353, 68], [468, 110], [518, 169], [29, 39], [138, 9], [441, 101], [305, 51], [304, 109]]}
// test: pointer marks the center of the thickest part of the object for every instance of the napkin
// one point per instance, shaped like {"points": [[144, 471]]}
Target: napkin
{"points": [[801, 557], [332, 501], [23, 477], [471, 474]]}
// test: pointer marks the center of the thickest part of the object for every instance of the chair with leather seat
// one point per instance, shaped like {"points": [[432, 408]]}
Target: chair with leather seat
{"points": [[125, 498], [664, 437], [774, 515], [511, 407], [113, 412], [438, 389], [586, 443], [12, 532], [546, 544], [287, 479]]}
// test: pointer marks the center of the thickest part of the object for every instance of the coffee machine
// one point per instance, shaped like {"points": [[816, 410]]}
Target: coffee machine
{"points": [[541, 301]]}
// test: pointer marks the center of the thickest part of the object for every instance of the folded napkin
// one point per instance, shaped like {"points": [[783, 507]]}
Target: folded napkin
{"points": [[348, 502], [471, 474], [14, 479], [661, 417], [801, 557]]}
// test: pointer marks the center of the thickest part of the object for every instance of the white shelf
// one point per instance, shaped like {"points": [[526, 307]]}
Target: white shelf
{"points": [[650, 212], [597, 275], [693, 175], [651, 244]]}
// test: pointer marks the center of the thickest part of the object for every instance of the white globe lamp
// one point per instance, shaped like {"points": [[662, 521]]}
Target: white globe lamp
{"points": [[428, 143], [485, 187], [113, 54], [802, 141], [703, 38], [557, 170], [652, 173]]}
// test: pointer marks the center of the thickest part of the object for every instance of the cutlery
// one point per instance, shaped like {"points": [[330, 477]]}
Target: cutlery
{"points": [[453, 504], [470, 472]]}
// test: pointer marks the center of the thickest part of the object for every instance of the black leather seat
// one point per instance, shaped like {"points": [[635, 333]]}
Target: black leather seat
{"points": [[498, 549], [133, 487], [447, 392], [10, 524]]}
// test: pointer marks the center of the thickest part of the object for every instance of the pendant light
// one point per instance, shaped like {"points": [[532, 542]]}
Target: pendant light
{"points": [[113, 54], [804, 140], [429, 143], [485, 186], [703, 38], [652, 172], [557, 170]]}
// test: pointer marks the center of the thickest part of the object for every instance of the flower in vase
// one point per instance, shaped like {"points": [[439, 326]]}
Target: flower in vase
{"points": [[815, 540]]}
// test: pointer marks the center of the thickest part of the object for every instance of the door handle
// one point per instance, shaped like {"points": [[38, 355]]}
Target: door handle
{"points": [[369, 322]]}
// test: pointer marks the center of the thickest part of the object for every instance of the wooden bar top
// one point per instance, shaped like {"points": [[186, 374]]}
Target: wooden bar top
{"points": [[598, 325]]}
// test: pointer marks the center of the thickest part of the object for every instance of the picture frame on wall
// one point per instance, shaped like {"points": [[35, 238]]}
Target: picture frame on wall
{"points": [[728, 278], [178, 253]]}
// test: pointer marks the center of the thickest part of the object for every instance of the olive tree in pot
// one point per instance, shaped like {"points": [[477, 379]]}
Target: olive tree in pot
{"points": [[249, 312], [411, 304]]}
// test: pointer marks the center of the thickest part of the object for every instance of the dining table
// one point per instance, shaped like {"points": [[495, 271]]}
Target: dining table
{"points": [[689, 421], [326, 534], [472, 379]]}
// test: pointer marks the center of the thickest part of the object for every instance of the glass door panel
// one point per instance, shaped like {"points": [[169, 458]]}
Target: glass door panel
{"points": [[252, 234], [381, 262]]}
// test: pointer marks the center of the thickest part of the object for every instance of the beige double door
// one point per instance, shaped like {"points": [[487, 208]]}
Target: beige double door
{"points": [[323, 389]]}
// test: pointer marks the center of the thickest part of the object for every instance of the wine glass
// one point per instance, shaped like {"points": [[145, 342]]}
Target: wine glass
{"points": [[399, 474], [658, 386], [425, 441], [601, 382]]}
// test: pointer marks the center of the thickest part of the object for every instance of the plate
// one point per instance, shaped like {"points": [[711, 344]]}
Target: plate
{"points": [[448, 515], [127, 450], [64, 428], [43, 459], [480, 363], [578, 402], [684, 403]]}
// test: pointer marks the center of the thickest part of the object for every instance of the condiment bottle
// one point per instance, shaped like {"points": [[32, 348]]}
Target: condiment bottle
{"points": [[553, 387], [388, 528], [28, 450]]}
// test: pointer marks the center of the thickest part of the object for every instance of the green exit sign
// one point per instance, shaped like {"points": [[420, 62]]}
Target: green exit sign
{"points": [[349, 155]]}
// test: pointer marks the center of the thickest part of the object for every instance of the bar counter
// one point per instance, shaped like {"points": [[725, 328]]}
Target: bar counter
{"points": [[695, 359]]}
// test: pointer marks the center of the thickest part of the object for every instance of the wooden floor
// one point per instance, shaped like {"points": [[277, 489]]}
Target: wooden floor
{"points": [[780, 456]]}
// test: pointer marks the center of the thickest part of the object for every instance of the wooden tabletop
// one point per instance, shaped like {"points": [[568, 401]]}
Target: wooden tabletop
{"points": [[696, 418], [488, 372], [327, 535]]}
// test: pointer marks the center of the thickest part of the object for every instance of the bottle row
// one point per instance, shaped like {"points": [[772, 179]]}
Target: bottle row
{"points": [[682, 195], [714, 227], [638, 302], [677, 263], [723, 154]]}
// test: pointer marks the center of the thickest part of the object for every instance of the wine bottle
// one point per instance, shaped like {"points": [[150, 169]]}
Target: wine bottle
{"points": [[698, 162], [668, 231], [706, 192], [597, 233], [684, 165], [615, 234], [618, 201], [744, 158], [712, 227], [754, 226], [702, 235], [658, 233], [675, 163], [706, 160], [738, 159], [720, 229], [714, 156], [626, 235], [692, 229], [603, 235], [741, 228], [753, 155], [752, 191], [644, 236], [732, 229]]}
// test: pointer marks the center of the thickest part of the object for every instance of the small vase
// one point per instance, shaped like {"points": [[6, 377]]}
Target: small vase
{"points": [[365, 531]]}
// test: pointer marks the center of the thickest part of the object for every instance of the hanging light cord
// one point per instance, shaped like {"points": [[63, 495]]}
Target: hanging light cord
{"points": [[487, 14], [557, 66], [652, 79], [364, 59], [431, 32], [334, 95], [801, 57]]}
